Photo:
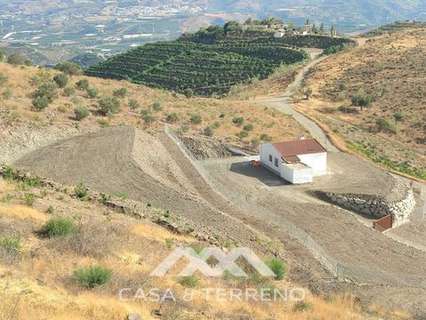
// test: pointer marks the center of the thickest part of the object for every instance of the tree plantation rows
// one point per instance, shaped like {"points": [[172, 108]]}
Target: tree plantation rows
{"points": [[207, 69]]}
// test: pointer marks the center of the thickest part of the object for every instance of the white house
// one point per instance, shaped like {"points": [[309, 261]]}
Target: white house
{"points": [[296, 161]]}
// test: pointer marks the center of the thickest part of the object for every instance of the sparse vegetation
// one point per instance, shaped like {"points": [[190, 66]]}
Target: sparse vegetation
{"points": [[156, 106], [81, 112], [134, 104], [91, 277], [302, 306], [196, 119], [82, 84], [361, 99], [108, 105], [61, 80], [278, 268], [58, 227], [120, 93], [189, 281], [81, 191], [92, 92], [69, 68], [385, 125], [238, 121], [172, 117]]}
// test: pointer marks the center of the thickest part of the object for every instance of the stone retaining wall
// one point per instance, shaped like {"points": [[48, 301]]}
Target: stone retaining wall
{"points": [[375, 206]]}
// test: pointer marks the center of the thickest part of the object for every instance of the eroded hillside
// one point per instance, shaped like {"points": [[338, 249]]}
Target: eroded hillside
{"points": [[78, 108], [373, 96]]}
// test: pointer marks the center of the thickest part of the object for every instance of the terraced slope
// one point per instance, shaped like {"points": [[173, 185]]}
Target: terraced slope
{"points": [[202, 69]]}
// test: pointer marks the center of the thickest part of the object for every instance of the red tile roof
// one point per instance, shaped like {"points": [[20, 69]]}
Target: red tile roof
{"points": [[291, 149]]}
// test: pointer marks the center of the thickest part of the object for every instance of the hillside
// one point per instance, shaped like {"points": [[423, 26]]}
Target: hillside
{"points": [[373, 96], [211, 61], [202, 69], [236, 123], [51, 233], [39, 273]]}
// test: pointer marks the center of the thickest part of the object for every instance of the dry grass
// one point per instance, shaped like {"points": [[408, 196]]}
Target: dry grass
{"points": [[217, 114], [41, 282], [391, 69]]}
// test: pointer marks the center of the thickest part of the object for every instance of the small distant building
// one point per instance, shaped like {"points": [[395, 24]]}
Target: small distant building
{"points": [[279, 34], [297, 161]]}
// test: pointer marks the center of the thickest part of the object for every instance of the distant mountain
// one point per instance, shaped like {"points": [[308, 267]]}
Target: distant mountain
{"points": [[347, 14]]}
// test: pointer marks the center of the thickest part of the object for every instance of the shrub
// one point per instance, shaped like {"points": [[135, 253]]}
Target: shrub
{"points": [[188, 281], [108, 105], [172, 117], [134, 104], [188, 92], [61, 80], [82, 84], [10, 249], [7, 94], [80, 113], [278, 267], [264, 137], [238, 121], [120, 93], [3, 79], [11, 244], [362, 100], [16, 59], [92, 92], [58, 227], [69, 91], [242, 134], [47, 89], [208, 131], [29, 199], [385, 125], [40, 103], [81, 191], [91, 277], [69, 68], [148, 118], [156, 106], [248, 127], [398, 116], [195, 119], [302, 306]]}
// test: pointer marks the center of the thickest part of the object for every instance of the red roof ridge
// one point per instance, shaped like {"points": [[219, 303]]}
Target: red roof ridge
{"points": [[291, 149]]}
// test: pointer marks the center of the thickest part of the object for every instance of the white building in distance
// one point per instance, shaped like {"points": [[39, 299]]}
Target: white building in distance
{"points": [[297, 161]]}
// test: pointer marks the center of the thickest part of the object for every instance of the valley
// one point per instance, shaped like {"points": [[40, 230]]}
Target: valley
{"points": [[133, 159]]}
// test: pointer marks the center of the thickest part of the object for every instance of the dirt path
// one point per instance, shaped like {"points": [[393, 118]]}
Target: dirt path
{"points": [[283, 103]]}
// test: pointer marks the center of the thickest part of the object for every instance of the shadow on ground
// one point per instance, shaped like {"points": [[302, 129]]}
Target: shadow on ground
{"points": [[266, 177]]}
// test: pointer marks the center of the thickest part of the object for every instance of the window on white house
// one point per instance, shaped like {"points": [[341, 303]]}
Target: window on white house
{"points": [[270, 158], [276, 162]]}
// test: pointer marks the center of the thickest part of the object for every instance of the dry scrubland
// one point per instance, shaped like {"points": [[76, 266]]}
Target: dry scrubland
{"points": [[37, 271], [386, 74], [235, 122]]}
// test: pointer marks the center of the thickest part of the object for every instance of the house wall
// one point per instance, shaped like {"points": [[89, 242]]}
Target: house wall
{"points": [[304, 175], [296, 175], [265, 151], [316, 161]]}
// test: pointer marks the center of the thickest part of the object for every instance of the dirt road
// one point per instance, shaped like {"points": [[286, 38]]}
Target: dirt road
{"points": [[283, 103]]}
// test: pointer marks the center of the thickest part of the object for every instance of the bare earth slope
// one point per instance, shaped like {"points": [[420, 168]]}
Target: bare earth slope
{"points": [[392, 70]]}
